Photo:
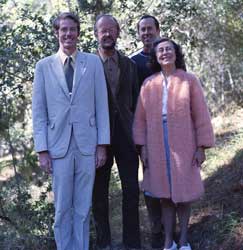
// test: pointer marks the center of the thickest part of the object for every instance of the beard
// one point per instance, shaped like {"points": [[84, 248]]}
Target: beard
{"points": [[108, 45]]}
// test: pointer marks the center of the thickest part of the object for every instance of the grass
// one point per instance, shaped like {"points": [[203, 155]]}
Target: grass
{"points": [[217, 221]]}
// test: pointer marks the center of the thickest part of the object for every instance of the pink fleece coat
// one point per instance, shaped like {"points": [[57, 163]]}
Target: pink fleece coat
{"points": [[189, 127]]}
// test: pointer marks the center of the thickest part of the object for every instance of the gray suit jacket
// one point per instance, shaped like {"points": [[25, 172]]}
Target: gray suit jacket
{"points": [[56, 113]]}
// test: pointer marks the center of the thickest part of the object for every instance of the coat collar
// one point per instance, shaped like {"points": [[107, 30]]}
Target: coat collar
{"points": [[57, 68], [122, 66], [79, 70]]}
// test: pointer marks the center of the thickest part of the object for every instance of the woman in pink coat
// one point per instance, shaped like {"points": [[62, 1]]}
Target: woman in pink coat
{"points": [[173, 127]]}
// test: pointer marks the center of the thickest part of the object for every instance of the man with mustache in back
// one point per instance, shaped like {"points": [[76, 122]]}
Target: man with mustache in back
{"points": [[121, 76]]}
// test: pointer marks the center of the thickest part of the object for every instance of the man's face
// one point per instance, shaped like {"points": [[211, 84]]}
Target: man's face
{"points": [[106, 33], [147, 31], [68, 35]]}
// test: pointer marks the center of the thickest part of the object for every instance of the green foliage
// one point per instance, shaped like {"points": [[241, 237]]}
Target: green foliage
{"points": [[95, 6], [25, 219], [22, 43], [20, 46]]}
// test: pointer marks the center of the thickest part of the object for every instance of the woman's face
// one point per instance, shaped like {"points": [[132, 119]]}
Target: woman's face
{"points": [[165, 54]]}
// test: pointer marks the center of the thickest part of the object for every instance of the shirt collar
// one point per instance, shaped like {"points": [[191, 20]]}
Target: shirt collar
{"points": [[114, 57], [63, 56]]}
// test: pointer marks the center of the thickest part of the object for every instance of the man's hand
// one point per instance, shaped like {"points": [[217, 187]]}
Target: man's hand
{"points": [[45, 161], [199, 156], [100, 157], [144, 156]]}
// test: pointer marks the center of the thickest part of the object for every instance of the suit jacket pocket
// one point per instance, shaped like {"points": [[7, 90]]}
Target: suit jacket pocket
{"points": [[52, 138], [51, 124]]}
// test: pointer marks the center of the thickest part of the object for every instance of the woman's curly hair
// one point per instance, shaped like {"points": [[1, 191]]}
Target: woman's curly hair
{"points": [[153, 63]]}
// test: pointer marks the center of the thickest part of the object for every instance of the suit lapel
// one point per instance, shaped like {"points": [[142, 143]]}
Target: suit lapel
{"points": [[57, 68], [80, 68], [122, 73]]}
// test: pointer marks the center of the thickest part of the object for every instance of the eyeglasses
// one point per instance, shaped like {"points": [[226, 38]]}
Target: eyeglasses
{"points": [[165, 49], [111, 31]]}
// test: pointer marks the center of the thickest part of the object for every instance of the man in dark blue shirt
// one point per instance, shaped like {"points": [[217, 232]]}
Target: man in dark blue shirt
{"points": [[148, 31]]}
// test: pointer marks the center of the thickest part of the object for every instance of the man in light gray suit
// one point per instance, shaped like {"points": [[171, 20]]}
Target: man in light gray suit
{"points": [[71, 130]]}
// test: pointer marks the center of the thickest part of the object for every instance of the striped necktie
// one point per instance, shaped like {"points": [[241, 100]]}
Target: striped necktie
{"points": [[68, 71]]}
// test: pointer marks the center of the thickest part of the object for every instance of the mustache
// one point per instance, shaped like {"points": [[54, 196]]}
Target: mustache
{"points": [[108, 37]]}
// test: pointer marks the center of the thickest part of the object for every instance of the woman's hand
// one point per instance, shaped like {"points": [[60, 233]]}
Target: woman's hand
{"points": [[199, 157], [144, 156]]}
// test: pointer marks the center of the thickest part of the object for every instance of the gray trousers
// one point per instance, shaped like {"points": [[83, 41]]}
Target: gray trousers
{"points": [[73, 178]]}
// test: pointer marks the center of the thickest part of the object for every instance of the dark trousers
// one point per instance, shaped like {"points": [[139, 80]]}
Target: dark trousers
{"points": [[155, 214], [127, 162]]}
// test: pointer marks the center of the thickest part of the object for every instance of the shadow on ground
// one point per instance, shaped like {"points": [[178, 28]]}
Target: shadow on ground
{"points": [[217, 219]]}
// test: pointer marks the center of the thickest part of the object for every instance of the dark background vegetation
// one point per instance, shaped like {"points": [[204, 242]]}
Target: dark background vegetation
{"points": [[211, 34]]}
